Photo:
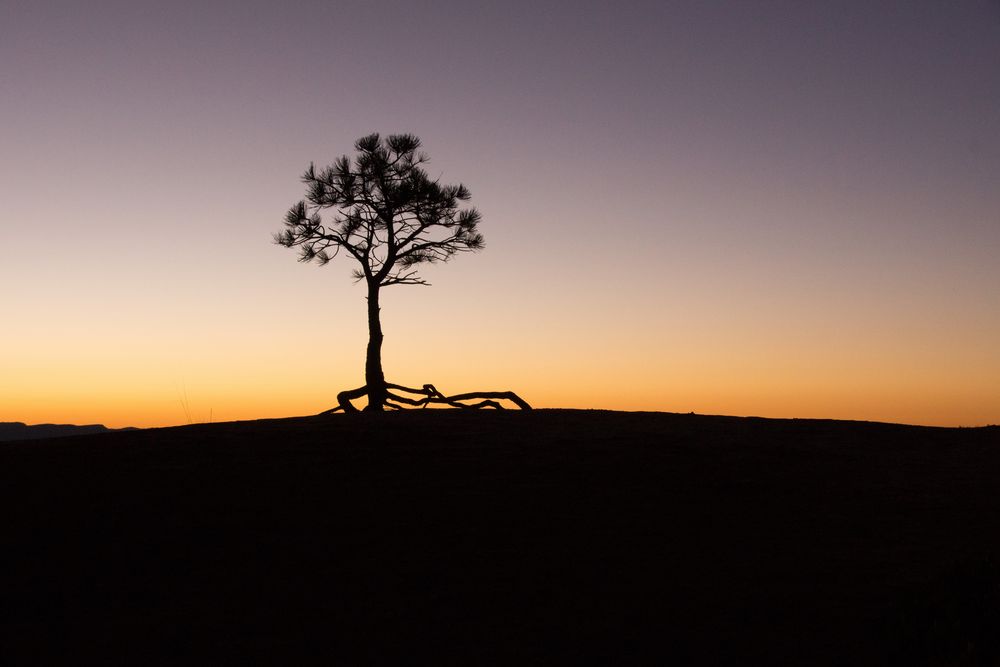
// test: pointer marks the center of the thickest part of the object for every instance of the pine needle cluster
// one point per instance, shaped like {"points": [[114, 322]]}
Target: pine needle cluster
{"points": [[384, 211]]}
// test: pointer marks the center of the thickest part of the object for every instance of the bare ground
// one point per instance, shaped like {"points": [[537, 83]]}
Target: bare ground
{"points": [[530, 538]]}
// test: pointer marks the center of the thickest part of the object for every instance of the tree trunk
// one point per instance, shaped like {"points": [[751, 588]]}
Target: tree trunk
{"points": [[374, 378]]}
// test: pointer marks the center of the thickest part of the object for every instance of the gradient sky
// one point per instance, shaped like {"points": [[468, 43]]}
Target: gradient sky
{"points": [[785, 209]]}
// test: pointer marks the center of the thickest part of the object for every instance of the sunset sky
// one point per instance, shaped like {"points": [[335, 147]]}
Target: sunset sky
{"points": [[774, 208]]}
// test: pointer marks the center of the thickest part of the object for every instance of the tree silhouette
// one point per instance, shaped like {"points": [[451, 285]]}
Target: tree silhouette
{"points": [[390, 217]]}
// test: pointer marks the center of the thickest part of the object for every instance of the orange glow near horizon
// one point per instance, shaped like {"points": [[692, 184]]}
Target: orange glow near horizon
{"points": [[130, 376], [170, 408], [776, 341]]}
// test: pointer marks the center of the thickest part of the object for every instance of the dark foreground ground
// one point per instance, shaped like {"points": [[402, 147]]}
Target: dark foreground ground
{"points": [[444, 537]]}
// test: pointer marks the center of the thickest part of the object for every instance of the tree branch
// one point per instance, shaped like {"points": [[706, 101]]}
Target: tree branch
{"points": [[430, 395]]}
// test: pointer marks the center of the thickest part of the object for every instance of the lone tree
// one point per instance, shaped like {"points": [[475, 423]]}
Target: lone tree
{"points": [[388, 216]]}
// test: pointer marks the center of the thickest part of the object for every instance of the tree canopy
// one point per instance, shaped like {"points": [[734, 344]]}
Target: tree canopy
{"points": [[385, 212]]}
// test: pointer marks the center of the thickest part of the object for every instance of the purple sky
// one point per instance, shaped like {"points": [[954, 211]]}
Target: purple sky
{"points": [[737, 183]]}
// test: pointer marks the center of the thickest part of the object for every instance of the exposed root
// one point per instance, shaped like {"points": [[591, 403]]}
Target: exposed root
{"points": [[396, 400]]}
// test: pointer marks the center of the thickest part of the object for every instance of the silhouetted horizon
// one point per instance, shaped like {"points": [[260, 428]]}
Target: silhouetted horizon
{"points": [[22, 431], [13, 426]]}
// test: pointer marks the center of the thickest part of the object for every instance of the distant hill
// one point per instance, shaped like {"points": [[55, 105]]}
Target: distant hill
{"points": [[21, 431]]}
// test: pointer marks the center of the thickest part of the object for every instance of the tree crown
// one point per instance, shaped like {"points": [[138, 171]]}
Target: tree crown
{"points": [[385, 212]]}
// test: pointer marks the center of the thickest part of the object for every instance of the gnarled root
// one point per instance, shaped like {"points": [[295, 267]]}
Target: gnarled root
{"points": [[396, 400]]}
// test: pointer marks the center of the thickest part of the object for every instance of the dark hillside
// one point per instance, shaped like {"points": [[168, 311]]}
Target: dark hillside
{"points": [[519, 538]]}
